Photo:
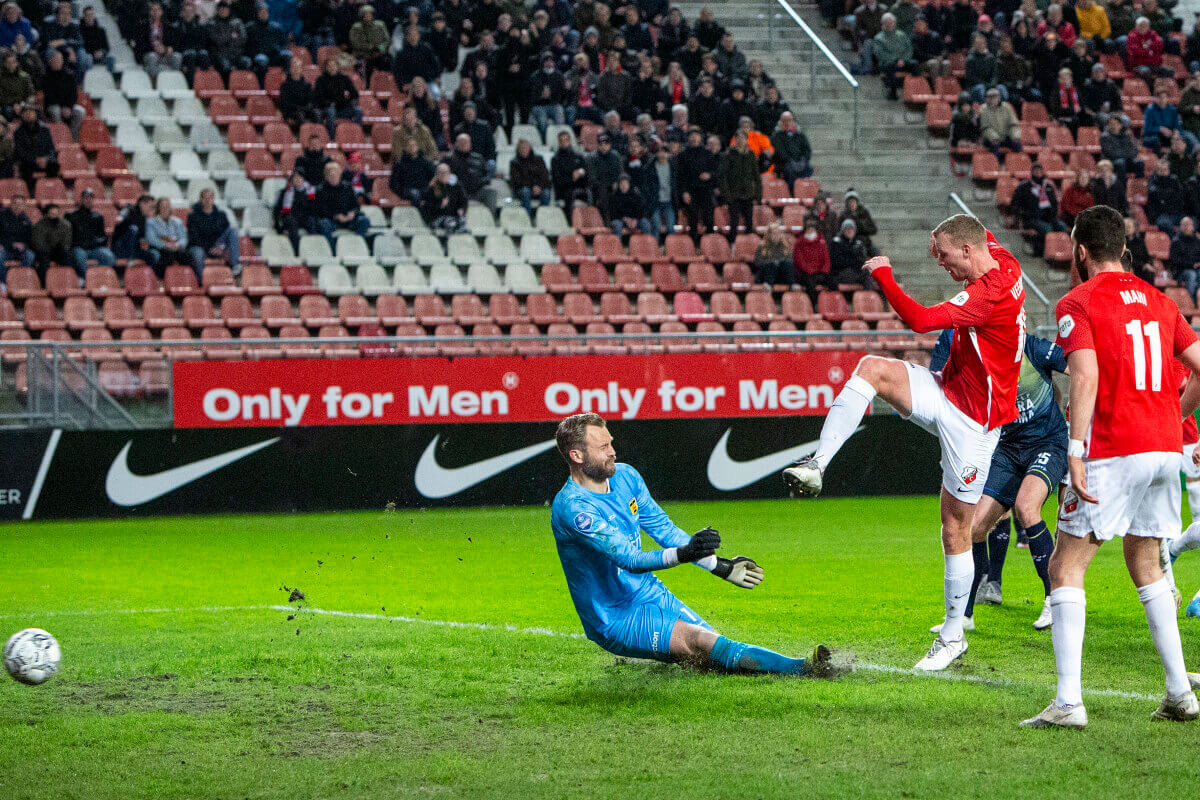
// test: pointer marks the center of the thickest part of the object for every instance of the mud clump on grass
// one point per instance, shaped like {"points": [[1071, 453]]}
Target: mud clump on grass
{"points": [[296, 596]]}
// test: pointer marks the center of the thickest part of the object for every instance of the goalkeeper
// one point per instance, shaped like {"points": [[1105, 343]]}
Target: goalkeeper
{"points": [[596, 519]]}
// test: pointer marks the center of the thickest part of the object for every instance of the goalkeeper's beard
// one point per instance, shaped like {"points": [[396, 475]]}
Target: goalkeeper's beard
{"points": [[599, 470]]}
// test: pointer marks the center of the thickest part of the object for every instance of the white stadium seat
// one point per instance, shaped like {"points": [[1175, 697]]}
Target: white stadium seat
{"points": [[446, 279], [333, 279], [371, 280], [519, 279], [409, 279]]}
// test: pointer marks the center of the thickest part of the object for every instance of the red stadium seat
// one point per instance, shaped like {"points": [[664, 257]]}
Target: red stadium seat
{"points": [[616, 308], [355, 311], [159, 311], [276, 311], [198, 312], [594, 277], [1058, 247], [225, 110], [295, 279], [237, 311], [393, 310], [653, 308], [761, 307], [261, 110], [80, 313], [643, 248], [578, 308], [607, 248], [702, 277], [62, 282], [727, 307], [736, 275], [542, 309], [180, 281], [468, 309], [207, 83], [431, 310], [297, 350], [41, 314], [572, 249], [689, 307], [243, 84], [666, 277], [505, 309], [260, 165], [557, 278], [631, 278]]}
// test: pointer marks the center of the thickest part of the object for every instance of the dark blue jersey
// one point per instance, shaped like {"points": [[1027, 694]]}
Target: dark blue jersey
{"points": [[1038, 415]]}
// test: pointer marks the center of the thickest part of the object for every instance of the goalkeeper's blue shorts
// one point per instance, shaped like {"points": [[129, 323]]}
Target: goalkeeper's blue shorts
{"points": [[644, 631]]}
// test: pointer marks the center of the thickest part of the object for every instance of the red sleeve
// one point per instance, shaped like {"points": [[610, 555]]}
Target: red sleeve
{"points": [[1074, 327], [1184, 337], [914, 315], [975, 304]]}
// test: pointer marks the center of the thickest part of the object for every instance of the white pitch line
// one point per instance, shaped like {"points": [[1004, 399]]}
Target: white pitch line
{"points": [[540, 631]]}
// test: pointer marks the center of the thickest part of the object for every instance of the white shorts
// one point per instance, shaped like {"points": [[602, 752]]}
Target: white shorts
{"points": [[1139, 496], [1190, 470], [967, 446]]}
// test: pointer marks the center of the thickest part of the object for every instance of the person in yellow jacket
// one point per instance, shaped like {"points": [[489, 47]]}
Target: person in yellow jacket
{"points": [[1093, 20]]}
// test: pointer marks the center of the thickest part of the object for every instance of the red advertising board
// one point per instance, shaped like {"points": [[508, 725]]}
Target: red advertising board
{"points": [[390, 391]]}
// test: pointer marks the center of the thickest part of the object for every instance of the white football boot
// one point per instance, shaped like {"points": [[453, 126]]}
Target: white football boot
{"points": [[968, 625], [1045, 619], [1056, 716], [941, 654], [1180, 709], [989, 592], [803, 477]]}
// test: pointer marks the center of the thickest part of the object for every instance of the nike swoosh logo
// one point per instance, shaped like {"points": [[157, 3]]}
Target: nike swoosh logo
{"points": [[727, 475], [435, 481], [127, 489]]}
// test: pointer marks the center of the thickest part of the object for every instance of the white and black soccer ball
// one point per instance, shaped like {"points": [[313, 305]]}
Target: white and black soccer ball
{"points": [[31, 656]]}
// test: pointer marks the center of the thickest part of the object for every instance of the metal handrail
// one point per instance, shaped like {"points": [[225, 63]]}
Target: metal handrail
{"points": [[815, 42], [1033, 287], [315, 340]]}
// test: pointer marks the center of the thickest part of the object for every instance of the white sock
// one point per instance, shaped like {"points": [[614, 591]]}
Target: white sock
{"points": [[960, 572], [1193, 490], [1068, 609], [844, 415], [1164, 630], [1197, 597], [1190, 539]]}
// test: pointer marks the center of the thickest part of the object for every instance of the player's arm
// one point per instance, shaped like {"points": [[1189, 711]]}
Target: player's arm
{"points": [[590, 528], [1085, 379], [971, 306], [1075, 339], [1045, 355], [739, 570]]}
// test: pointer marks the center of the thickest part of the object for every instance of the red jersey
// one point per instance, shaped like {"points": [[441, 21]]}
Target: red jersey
{"points": [[1135, 330], [1191, 434], [988, 317]]}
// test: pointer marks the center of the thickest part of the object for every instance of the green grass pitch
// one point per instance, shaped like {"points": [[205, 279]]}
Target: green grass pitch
{"points": [[160, 698]]}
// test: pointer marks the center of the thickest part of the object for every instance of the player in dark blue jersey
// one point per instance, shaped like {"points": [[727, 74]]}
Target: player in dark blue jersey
{"points": [[597, 518], [1029, 463]]}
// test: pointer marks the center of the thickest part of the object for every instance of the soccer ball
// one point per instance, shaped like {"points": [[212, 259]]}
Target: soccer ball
{"points": [[31, 656]]}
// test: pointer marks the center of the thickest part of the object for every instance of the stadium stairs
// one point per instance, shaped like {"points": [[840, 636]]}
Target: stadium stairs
{"points": [[903, 175]]}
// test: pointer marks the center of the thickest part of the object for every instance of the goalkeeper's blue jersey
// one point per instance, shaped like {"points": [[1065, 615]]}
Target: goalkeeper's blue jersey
{"points": [[600, 546], [1038, 415]]}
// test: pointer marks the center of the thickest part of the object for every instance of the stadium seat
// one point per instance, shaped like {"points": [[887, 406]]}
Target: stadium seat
{"points": [[62, 282], [616, 308], [714, 248], [354, 310], [370, 279], [204, 137], [333, 279], [504, 309], [726, 307], [168, 137], [985, 167], [135, 84], [240, 193], [179, 352], [796, 307], [295, 279], [276, 311], [393, 310], [430, 309], [594, 277], [515, 221], [1017, 165], [689, 307], [293, 350], [607, 248], [407, 221], [151, 111], [586, 220], [1058, 248], [135, 353], [761, 307], [80, 313], [498, 249], [315, 311], [666, 277], [578, 308], [427, 250], [351, 249], [572, 249], [118, 312], [409, 278], [218, 281], [868, 305], [630, 277], [189, 111], [237, 312], [520, 279], [388, 249], [480, 221], [832, 306], [115, 109], [557, 278], [258, 351], [198, 312], [536, 249], [468, 309], [643, 248], [702, 277], [159, 312], [551, 221], [462, 249], [446, 278]]}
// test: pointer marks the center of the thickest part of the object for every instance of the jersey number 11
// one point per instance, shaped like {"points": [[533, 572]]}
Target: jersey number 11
{"points": [[1137, 330]]}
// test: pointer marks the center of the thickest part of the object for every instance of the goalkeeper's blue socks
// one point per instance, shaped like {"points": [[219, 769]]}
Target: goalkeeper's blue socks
{"points": [[998, 549], [979, 554], [741, 656], [1041, 545]]}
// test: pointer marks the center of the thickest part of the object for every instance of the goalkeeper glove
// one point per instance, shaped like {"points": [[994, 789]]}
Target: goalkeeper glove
{"points": [[740, 571], [702, 545]]}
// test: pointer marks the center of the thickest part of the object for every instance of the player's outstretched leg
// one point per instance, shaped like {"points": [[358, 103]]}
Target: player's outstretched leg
{"points": [[1190, 540], [997, 548], [694, 644], [1041, 545], [1141, 557], [886, 377]]}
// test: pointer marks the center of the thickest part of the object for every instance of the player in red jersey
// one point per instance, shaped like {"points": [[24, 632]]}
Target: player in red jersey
{"points": [[1119, 335], [964, 405]]}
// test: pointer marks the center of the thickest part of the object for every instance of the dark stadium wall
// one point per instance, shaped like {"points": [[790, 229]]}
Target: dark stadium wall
{"points": [[217, 471]]}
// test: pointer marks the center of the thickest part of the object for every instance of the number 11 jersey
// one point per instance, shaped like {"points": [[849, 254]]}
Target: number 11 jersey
{"points": [[1136, 331]]}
